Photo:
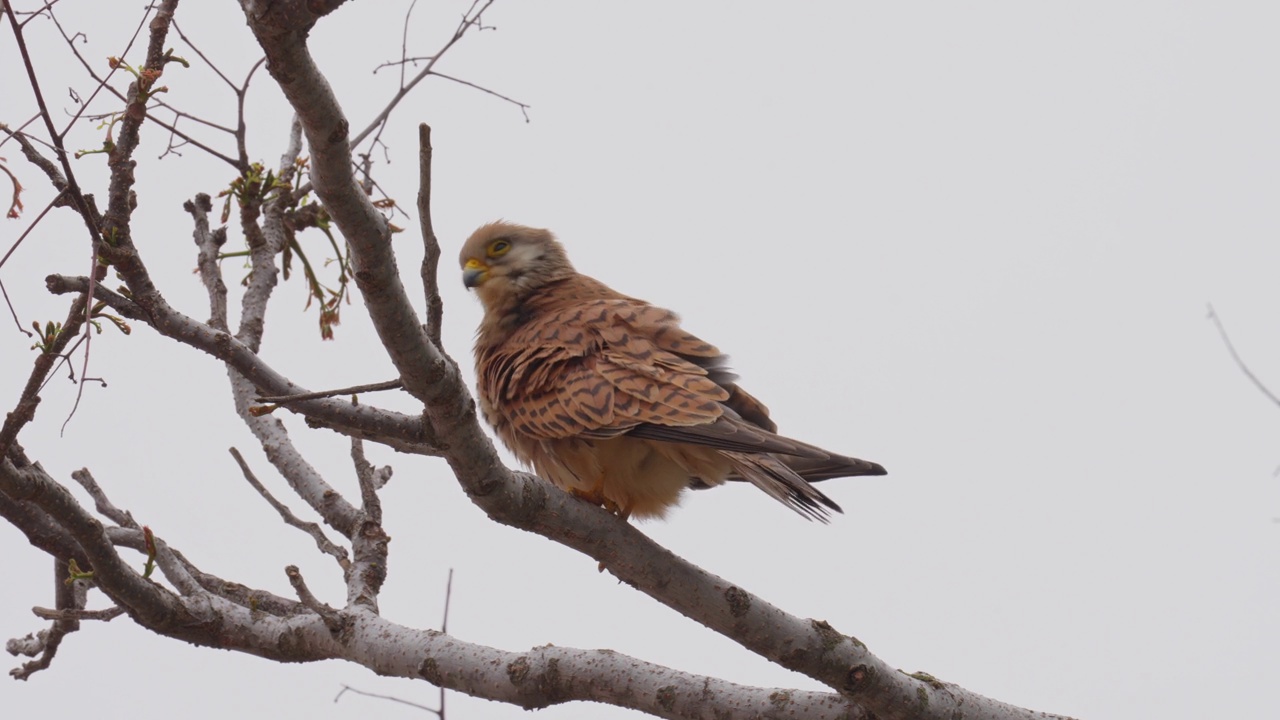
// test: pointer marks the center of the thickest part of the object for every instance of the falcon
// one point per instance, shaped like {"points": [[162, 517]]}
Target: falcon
{"points": [[609, 399]]}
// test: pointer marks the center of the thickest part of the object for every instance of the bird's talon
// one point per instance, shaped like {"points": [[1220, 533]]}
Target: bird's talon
{"points": [[594, 496]]}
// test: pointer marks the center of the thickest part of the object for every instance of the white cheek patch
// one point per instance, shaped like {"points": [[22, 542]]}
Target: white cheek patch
{"points": [[522, 257]]}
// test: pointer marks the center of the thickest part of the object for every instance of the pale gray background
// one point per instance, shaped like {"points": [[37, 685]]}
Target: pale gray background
{"points": [[971, 241]]}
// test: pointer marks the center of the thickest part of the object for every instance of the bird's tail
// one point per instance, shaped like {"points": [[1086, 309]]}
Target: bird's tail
{"points": [[814, 469], [783, 483]]}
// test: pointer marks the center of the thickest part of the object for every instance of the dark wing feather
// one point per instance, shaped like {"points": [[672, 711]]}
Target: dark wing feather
{"points": [[600, 368]]}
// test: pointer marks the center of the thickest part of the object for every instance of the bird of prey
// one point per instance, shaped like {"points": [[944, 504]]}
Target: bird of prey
{"points": [[608, 398]]}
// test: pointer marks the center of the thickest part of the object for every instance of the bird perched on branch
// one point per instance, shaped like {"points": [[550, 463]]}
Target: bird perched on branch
{"points": [[609, 399]]}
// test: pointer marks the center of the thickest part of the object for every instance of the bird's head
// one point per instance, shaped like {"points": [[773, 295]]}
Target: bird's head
{"points": [[505, 262]]}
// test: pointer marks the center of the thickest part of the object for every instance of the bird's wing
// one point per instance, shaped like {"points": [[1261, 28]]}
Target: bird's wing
{"points": [[601, 368]]}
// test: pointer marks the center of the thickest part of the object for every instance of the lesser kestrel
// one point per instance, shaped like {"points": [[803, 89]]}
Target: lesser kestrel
{"points": [[608, 398]]}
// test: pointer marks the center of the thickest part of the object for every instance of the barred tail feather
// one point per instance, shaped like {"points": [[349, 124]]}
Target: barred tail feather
{"points": [[782, 484]]}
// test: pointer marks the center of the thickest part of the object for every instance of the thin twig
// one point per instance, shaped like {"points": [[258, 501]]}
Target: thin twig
{"points": [[39, 12], [524, 107], [469, 19], [348, 689], [52, 204], [355, 389], [404, 40], [315, 531], [46, 165], [54, 136], [14, 313], [1240, 361], [448, 595], [241, 133], [444, 628], [182, 36], [10, 133], [102, 82]]}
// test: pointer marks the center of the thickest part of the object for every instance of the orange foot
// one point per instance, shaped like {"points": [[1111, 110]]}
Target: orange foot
{"points": [[596, 496]]}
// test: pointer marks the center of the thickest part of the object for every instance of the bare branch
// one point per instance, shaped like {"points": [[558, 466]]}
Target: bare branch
{"points": [[371, 480], [208, 243], [45, 165], [13, 248], [551, 675], [171, 127], [145, 601], [469, 20], [1231, 348], [14, 313], [444, 626], [303, 478], [63, 284], [42, 530], [348, 689], [323, 543], [353, 390], [289, 159], [331, 617], [212, 66], [208, 610], [25, 411], [194, 582], [524, 107], [431, 255], [71, 596], [370, 544], [67, 174], [105, 615], [104, 506], [402, 432]]}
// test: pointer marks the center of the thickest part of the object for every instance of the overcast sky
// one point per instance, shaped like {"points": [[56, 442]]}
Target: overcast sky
{"points": [[974, 242]]}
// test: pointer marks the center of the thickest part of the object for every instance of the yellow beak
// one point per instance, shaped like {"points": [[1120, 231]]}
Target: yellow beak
{"points": [[474, 273]]}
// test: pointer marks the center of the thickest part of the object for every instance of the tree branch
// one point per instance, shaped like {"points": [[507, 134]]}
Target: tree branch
{"points": [[1240, 363], [323, 543], [146, 602], [25, 411], [210, 611], [524, 501], [431, 246], [353, 390], [369, 543], [70, 597], [402, 432]]}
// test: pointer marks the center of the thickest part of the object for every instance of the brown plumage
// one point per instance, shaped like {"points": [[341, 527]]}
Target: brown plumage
{"points": [[608, 398]]}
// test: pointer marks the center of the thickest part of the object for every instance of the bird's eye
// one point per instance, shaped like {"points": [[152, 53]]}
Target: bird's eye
{"points": [[498, 247]]}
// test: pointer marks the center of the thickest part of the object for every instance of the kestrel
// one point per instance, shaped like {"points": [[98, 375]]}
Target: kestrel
{"points": [[608, 398]]}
